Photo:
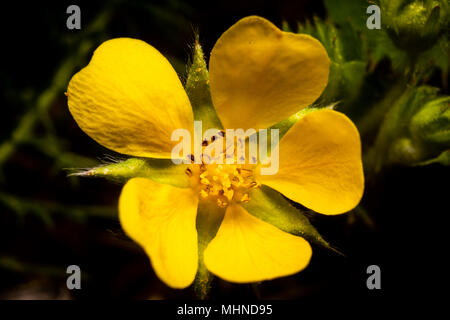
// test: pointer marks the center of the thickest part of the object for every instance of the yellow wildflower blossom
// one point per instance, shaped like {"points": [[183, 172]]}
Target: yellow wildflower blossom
{"points": [[130, 100]]}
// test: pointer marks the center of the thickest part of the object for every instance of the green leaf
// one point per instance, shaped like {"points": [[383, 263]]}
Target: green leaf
{"points": [[159, 170], [438, 57], [344, 82], [327, 34], [270, 206], [382, 46], [198, 91], [209, 218]]}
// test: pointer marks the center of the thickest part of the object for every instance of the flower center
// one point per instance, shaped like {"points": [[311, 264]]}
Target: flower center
{"points": [[223, 183]]}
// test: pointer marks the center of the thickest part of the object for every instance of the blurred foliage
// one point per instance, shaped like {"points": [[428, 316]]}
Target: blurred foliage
{"points": [[408, 117], [392, 82]]}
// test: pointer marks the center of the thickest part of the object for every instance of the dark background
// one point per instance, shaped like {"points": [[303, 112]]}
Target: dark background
{"points": [[51, 221]]}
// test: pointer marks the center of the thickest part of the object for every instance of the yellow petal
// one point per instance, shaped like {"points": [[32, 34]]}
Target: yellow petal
{"points": [[161, 218], [247, 249], [129, 99], [320, 163], [259, 75]]}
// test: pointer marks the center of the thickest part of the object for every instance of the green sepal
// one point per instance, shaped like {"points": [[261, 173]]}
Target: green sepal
{"points": [[390, 145], [284, 125], [432, 123], [414, 26], [159, 170], [209, 218], [270, 206], [198, 91], [415, 129], [432, 25]]}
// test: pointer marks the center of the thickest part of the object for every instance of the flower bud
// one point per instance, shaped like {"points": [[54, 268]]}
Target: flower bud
{"points": [[405, 151], [432, 123], [416, 26]]}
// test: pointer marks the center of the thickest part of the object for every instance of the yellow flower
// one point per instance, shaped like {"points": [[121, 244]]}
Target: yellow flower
{"points": [[130, 100]]}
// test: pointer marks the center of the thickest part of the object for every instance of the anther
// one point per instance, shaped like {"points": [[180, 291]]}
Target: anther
{"points": [[245, 198], [245, 172], [221, 203], [203, 193], [229, 194], [253, 184], [205, 181]]}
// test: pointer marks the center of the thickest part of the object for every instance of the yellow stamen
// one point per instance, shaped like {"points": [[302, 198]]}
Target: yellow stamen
{"points": [[245, 198], [223, 183]]}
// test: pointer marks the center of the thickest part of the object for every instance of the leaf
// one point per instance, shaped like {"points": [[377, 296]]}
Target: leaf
{"points": [[436, 56], [344, 82], [270, 206]]}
